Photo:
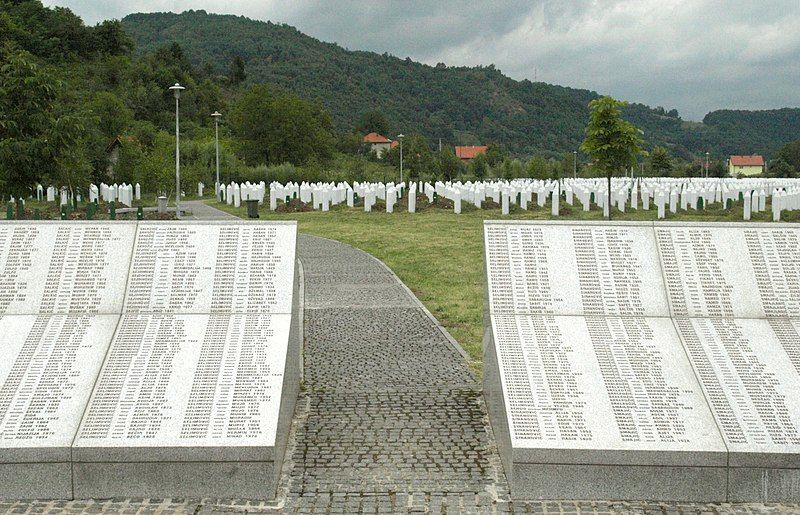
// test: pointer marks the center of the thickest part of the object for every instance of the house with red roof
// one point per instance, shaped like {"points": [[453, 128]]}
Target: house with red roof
{"points": [[745, 165], [467, 154], [379, 143]]}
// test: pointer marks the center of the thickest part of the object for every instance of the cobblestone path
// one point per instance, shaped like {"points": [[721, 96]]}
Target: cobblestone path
{"points": [[390, 420]]}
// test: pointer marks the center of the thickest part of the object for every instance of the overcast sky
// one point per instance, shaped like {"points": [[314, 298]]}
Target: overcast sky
{"points": [[693, 55]]}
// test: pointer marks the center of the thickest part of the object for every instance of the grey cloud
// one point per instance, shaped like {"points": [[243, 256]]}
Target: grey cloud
{"points": [[695, 55]]}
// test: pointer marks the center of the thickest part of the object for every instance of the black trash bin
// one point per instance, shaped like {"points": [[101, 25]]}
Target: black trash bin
{"points": [[252, 208]]}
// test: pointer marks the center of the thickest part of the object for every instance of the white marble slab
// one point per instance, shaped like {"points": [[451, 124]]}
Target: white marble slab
{"points": [[750, 371], [64, 267], [188, 388], [49, 365], [212, 268], [602, 390], [574, 269], [728, 271]]}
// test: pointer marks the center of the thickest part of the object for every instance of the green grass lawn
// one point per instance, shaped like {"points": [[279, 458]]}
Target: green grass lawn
{"points": [[439, 255]]}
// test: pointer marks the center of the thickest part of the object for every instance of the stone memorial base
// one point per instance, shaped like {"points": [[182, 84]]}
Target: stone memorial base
{"points": [[226, 471], [777, 483], [149, 360], [532, 481], [36, 480], [641, 361], [597, 474]]}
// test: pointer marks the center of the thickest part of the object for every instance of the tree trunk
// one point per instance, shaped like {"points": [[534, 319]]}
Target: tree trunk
{"points": [[609, 195]]}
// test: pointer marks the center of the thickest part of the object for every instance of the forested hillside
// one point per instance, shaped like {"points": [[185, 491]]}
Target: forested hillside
{"points": [[460, 105], [297, 109]]}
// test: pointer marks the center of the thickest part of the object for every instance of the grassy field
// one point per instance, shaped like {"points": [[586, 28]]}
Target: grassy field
{"points": [[439, 255]]}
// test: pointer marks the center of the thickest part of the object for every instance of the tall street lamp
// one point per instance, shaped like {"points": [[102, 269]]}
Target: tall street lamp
{"points": [[217, 115], [706, 165], [574, 164], [400, 137], [176, 89]]}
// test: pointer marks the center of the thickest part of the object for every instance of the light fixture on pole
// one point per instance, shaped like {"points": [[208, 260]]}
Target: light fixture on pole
{"points": [[706, 165], [400, 137], [574, 164], [217, 115], [176, 89]]}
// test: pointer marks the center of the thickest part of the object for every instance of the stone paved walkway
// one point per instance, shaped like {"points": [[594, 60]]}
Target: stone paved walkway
{"points": [[389, 421], [202, 211]]}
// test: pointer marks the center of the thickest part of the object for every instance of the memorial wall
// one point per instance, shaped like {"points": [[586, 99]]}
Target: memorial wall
{"points": [[149, 359], [645, 361]]}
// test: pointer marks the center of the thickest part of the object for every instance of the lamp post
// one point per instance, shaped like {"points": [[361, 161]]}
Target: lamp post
{"points": [[176, 89], [216, 115], [706, 165], [574, 164], [400, 137]]}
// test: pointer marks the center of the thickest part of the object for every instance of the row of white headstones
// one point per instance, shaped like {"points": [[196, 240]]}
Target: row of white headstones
{"points": [[123, 193], [234, 194], [664, 193], [641, 193]]}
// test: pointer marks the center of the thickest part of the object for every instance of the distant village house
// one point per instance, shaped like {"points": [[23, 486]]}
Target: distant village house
{"points": [[467, 154], [378, 143], [745, 165]]}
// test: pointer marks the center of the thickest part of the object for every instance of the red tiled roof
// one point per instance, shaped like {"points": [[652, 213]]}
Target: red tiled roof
{"points": [[747, 161], [374, 137], [470, 152]]}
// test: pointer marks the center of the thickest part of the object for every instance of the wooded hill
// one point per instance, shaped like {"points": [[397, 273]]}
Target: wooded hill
{"points": [[458, 104]]}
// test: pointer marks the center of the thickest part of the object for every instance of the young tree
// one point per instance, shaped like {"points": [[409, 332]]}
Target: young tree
{"points": [[660, 161], [611, 142], [538, 168], [478, 167], [717, 169], [450, 166]]}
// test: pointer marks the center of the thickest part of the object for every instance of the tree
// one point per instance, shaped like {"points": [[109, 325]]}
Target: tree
{"points": [[790, 153], [478, 166], [450, 166], [779, 168], [373, 121], [237, 73], [112, 38], [660, 162], [717, 169], [537, 168], [611, 142], [114, 117], [495, 154], [276, 128], [38, 134]]}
